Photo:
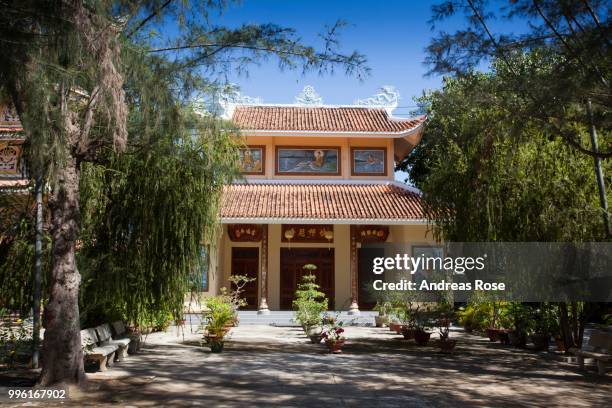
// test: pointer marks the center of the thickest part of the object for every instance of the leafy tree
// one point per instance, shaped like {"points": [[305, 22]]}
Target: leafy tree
{"points": [[83, 77], [572, 36], [568, 83], [487, 177]]}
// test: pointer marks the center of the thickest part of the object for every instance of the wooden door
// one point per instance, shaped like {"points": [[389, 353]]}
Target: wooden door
{"points": [[365, 276], [292, 261], [245, 261]]}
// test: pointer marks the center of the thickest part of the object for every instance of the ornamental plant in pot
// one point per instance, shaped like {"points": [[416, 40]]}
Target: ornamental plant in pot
{"points": [[334, 337], [383, 309], [545, 323], [444, 319], [309, 304], [422, 321], [520, 316], [408, 322], [218, 313]]}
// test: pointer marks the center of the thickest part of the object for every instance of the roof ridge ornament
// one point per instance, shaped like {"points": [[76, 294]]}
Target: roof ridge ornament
{"points": [[231, 96], [388, 98], [308, 97]]}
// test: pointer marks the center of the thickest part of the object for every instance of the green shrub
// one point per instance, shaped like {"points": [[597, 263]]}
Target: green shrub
{"points": [[219, 313], [309, 303]]}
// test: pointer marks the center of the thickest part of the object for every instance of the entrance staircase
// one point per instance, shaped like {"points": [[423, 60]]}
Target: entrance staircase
{"points": [[285, 318]]}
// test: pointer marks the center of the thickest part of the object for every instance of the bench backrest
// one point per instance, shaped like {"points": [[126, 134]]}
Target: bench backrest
{"points": [[601, 342], [104, 332], [89, 338], [119, 328]]}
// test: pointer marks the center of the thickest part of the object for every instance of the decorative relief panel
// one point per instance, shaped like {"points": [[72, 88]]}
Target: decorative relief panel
{"points": [[244, 232], [9, 158]]}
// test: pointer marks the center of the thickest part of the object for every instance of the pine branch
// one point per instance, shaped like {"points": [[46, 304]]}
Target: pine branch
{"points": [[148, 18]]}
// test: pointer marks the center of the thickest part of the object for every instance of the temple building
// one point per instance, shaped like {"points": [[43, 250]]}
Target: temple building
{"points": [[318, 184]]}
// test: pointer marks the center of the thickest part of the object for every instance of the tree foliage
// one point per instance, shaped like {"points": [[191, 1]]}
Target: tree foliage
{"points": [[487, 176], [572, 40]]}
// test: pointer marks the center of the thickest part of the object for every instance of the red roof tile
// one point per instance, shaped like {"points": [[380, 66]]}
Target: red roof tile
{"points": [[14, 183], [330, 119], [381, 201]]}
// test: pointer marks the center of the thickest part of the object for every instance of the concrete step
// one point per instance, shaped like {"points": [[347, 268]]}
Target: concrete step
{"points": [[285, 318]]}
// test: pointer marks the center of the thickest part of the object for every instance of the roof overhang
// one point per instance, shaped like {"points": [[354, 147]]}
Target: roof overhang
{"points": [[337, 221], [402, 146], [409, 133]]}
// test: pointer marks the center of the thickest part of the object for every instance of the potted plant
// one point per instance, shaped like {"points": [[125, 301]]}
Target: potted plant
{"points": [[493, 328], [334, 338], [444, 319], [519, 314], [383, 309], [544, 325], [309, 304], [422, 321], [218, 315], [408, 323]]}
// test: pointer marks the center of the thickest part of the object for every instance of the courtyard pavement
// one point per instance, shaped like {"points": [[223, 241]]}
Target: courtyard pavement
{"points": [[276, 366]]}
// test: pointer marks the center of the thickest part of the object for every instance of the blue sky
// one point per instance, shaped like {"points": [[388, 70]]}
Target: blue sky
{"points": [[392, 34]]}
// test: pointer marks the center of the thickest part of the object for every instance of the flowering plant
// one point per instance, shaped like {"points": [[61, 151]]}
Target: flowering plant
{"points": [[333, 333]]}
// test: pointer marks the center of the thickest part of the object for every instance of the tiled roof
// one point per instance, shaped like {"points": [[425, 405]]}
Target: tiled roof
{"points": [[327, 119], [10, 126], [14, 183], [375, 201]]}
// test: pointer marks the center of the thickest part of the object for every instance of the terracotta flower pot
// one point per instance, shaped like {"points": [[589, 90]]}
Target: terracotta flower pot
{"points": [[393, 326], [335, 347], [421, 337], [493, 334], [447, 346], [399, 328], [216, 347], [502, 336], [517, 339], [215, 343], [408, 333]]}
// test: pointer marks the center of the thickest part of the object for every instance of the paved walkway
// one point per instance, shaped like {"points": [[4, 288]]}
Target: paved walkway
{"points": [[276, 366]]}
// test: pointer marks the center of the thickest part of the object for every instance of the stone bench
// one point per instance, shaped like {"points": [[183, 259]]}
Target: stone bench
{"points": [[601, 343], [106, 339], [121, 332], [102, 354]]}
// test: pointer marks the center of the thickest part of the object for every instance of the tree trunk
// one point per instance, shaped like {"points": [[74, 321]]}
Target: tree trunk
{"points": [[62, 353]]}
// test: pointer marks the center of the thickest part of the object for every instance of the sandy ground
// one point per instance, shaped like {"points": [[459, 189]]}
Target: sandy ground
{"points": [[275, 366]]}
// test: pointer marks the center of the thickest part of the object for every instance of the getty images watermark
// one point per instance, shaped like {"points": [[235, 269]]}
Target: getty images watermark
{"points": [[528, 271], [413, 264]]}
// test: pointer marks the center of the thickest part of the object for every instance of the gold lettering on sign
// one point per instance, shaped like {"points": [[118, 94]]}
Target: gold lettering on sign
{"points": [[371, 233], [307, 233], [244, 232]]}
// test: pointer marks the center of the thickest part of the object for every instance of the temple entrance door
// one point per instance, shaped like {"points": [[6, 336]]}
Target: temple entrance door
{"points": [[291, 263], [365, 259], [245, 261]]}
